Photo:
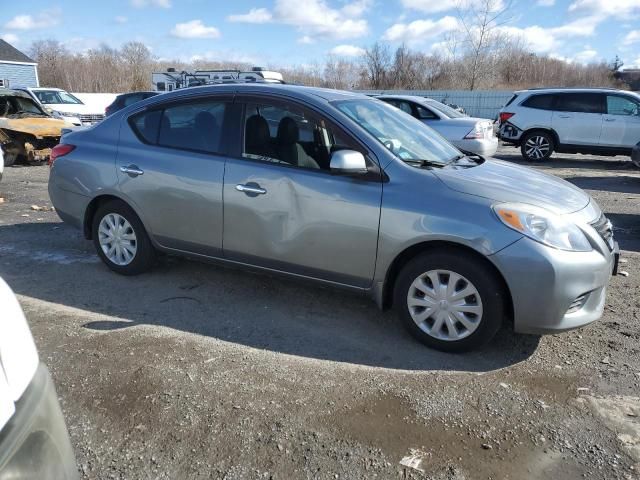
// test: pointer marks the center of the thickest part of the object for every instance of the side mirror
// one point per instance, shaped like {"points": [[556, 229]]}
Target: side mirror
{"points": [[348, 162]]}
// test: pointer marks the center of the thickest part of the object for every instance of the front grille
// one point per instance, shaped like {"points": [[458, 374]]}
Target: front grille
{"points": [[91, 118], [578, 303], [604, 228]]}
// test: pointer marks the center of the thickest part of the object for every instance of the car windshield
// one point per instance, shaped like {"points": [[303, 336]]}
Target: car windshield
{"points": [[407, 138], [445, 109], [18, 105], [48, 97]]}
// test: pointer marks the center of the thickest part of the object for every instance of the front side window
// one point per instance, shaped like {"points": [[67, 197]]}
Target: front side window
{"points": [[580, 102], [619, 105], [287, 135], [56, 97], [424, 113], [407, 138]]}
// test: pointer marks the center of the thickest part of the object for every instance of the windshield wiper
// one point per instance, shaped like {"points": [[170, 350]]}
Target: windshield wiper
{"points": [[425, 163]]}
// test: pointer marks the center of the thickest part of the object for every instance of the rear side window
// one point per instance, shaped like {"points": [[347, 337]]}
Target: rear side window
{"points": [[541, 102], [580, 102], [189, 126], [129, 99]]}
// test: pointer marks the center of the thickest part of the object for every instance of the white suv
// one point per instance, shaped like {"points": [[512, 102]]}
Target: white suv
{"points": [[64, 105], [587, 120]]}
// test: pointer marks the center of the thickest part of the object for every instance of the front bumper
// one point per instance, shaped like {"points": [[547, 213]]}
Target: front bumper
{"points": [[485, 147], [546, 282], [35, 443]]}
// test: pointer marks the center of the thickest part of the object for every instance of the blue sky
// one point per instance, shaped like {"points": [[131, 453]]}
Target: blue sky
{"points": [[290, 32]]}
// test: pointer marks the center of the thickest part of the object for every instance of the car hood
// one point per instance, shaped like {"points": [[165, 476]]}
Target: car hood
{"points": [[38, 126], [507, 182]]}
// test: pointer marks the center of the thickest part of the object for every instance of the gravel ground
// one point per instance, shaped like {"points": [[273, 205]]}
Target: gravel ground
{"points": [[194, 371]]}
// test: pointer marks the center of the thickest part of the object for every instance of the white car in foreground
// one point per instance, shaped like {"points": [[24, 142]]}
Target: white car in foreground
{"points": [[34, 443], [65, 105]]}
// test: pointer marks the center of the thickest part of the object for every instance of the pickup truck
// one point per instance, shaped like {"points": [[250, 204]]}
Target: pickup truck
{"points": [[34, 443]]}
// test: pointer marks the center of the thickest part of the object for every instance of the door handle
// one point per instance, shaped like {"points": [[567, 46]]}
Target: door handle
{"points": [[564, 116], [254, 189], [609, 119], [131, 170]]}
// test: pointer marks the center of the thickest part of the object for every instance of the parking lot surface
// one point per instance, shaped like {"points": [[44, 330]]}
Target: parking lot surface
{"points": [[197, 371]]}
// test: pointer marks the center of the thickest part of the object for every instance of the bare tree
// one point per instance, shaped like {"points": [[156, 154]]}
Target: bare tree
{"points": [[481, 21], [377, 61]]}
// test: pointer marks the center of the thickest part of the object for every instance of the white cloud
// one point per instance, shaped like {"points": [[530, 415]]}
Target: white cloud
{"points": [[347, 51], [634, 64], [255, 15], [631, 37], [121, 19], [194, 29], [429, 6], [151, 3], [306, 40], [586, 56], [420, 30], [616, 8], [11, 38], [546, 3], [46, 19], [315, 18]]}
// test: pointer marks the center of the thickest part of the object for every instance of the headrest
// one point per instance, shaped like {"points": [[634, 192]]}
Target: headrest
{"points": [[257, 130], [288, 131]]}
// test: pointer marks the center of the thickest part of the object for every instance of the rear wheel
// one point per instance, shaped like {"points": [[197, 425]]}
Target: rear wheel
{"points": [[10, 159], [121, 240], [450, 301], [537, 146]]}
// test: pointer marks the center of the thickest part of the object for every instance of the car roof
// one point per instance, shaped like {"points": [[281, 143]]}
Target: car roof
{"points": [[403, 97], [8, 92], [296, 91], [38, 89], [571, 89]]}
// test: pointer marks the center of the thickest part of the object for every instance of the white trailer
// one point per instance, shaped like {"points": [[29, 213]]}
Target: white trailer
{"points": [[173, 80]]}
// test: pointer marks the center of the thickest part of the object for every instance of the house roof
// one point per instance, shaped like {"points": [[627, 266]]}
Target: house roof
{"points": [[9, 53]]}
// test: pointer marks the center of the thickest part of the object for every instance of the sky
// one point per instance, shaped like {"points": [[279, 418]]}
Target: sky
{"points": [[301, 32]]}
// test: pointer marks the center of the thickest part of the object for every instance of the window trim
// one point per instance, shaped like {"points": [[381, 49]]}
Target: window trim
{"points": [[242, 100], [161, 107]]}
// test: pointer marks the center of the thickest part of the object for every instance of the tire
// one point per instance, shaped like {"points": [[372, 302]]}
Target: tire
{"points": [[466, 270], [133, 253], [537, 146], [10, 159]]}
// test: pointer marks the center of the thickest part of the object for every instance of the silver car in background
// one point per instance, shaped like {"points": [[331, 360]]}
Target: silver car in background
{"points": [[342, 189], [470, 134]]}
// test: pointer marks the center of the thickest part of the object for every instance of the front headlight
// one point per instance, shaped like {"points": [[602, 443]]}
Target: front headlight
{"points": [[543, 226]]}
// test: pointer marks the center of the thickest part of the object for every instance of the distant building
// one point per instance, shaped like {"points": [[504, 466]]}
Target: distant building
{"points": [[16, 69]]}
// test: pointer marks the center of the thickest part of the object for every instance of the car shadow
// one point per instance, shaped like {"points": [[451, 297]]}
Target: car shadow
{"points": [[612, 183], [626, 230], [561, 160], [52, 262]]}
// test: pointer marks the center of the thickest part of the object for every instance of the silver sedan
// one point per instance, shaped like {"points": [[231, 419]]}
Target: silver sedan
{"points": [[469, 134]]}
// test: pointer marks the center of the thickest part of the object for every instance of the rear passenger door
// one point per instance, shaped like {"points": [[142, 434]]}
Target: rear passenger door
{"points": [[170, 166], [621, 126], [577, 117]]}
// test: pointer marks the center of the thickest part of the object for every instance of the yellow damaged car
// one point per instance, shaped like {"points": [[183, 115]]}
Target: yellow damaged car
{"points": [[27, 132]]}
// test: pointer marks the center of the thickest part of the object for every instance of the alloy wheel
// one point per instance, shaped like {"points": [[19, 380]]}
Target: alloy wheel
{"points": [[117, 239], [445, 305], [537, 147]]}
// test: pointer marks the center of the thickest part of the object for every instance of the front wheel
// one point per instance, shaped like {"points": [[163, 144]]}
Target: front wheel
{"points": [[450, 301], [121, 239], [537, 146]]}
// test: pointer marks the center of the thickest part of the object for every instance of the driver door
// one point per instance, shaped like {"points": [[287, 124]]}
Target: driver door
{"points": [[621, 123], [283, 207]]}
